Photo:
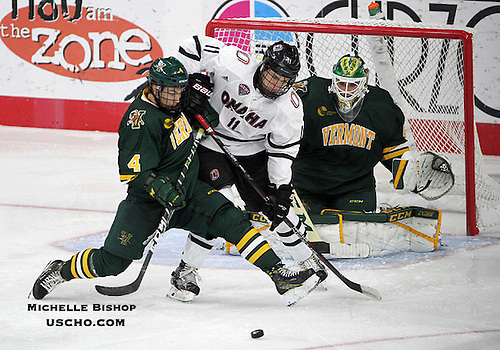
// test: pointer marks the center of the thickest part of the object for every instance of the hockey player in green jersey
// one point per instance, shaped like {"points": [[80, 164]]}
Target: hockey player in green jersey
{"points": [[349, 127], [155, 139]]}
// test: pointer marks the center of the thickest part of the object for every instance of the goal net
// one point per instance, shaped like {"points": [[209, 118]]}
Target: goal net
{"points": [[427, 69]]}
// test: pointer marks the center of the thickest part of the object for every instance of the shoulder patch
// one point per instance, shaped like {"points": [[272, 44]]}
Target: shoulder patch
{"points": [[300, 86], [243, 57], [295, 99], [243, 89], [168, 123], [135, 120]]}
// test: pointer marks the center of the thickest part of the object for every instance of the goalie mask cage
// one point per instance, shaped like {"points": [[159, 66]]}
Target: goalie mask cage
{"points": [[427, 69]]}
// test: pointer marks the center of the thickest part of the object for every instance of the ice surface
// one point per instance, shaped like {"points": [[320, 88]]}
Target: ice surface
{"points": [[59, 191]]}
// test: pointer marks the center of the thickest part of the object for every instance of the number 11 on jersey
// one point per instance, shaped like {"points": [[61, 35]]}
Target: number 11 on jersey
{"points": [[233, 123]]}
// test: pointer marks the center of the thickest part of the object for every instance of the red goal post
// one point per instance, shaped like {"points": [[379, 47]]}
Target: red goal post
{"points": [[427, 69]]}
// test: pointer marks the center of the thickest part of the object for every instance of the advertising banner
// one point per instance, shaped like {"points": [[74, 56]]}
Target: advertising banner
{"points": [[69, 64]]}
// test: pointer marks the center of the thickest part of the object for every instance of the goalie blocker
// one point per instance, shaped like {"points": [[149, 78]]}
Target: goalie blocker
{"points": [[347, 234]]}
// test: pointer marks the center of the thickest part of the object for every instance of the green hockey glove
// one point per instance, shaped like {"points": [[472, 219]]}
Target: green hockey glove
{"points": [[167, 195]]}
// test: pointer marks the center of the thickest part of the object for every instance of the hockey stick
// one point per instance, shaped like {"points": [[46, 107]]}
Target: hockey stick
{"points": [[162, 228], [371, 292]]}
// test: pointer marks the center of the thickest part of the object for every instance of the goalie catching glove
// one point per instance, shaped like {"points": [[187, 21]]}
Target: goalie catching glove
{"points": [[161, 189], [428, 174], [281, 201]]}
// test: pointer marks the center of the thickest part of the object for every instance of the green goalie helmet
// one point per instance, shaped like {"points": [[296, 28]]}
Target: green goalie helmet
{"points": [[350, 85], [167, 79]]}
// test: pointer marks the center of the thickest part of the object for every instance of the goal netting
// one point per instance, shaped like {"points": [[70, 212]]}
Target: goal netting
{"points": [[427, 69]]}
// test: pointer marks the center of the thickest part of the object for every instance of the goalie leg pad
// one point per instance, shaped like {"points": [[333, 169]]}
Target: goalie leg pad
{"points": [[400, 232]]}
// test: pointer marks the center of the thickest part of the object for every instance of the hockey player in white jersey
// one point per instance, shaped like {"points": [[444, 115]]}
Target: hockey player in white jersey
{"points": [[261, 122]]}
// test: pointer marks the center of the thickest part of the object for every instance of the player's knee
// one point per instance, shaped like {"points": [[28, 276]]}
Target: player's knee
{"points": [[229, 222], [109, 264]]}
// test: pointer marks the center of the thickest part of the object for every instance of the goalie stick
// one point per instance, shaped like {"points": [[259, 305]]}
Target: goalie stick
{"points": [[162, 228], [371, 292]]}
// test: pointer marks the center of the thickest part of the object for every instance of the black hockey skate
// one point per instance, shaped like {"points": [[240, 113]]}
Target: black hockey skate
{"points": [[48, 280], [293, 285], [184, 283]]}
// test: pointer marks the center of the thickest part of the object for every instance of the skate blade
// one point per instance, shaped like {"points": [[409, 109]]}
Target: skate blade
{"points": [[180, 295], [294, 295]]}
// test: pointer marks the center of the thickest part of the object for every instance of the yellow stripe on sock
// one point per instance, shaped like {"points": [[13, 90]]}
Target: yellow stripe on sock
{"points": [[259, 253], [246, 238], [85, 263], [73, 267]]}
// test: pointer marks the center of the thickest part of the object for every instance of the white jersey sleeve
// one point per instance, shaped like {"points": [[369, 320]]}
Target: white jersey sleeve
{"points": [[283, 142], [200, 54]]}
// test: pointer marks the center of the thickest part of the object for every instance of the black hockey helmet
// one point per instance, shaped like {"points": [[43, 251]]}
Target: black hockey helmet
{"points": [[282, 59]]}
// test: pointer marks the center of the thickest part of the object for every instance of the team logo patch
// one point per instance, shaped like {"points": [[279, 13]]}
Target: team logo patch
{"points": [[323, 111], [214, 174], [168, 123], [135, 119], [243, 90], [300, 86], [125, 238]]}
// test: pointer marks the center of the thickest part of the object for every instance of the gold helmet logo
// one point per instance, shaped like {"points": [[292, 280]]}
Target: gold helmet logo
{"points": [[350, 66]]}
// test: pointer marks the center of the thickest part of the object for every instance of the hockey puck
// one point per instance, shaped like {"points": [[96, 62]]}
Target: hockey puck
{"points": [[257, 333]]}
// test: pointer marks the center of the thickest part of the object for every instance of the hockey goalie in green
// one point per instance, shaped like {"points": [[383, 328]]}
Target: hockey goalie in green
{"points": [[349, 127]]}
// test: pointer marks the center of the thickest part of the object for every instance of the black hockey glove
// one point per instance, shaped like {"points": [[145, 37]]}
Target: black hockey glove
{"points": [[282, 200], [196, 95]]}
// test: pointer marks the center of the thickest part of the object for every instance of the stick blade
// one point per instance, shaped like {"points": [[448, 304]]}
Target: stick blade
{"points": [[118, 291], [371, 292]]}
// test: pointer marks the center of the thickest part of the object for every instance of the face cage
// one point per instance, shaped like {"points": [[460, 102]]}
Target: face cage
{"points": [[265, 72], [168, 98], [349, 99]]}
